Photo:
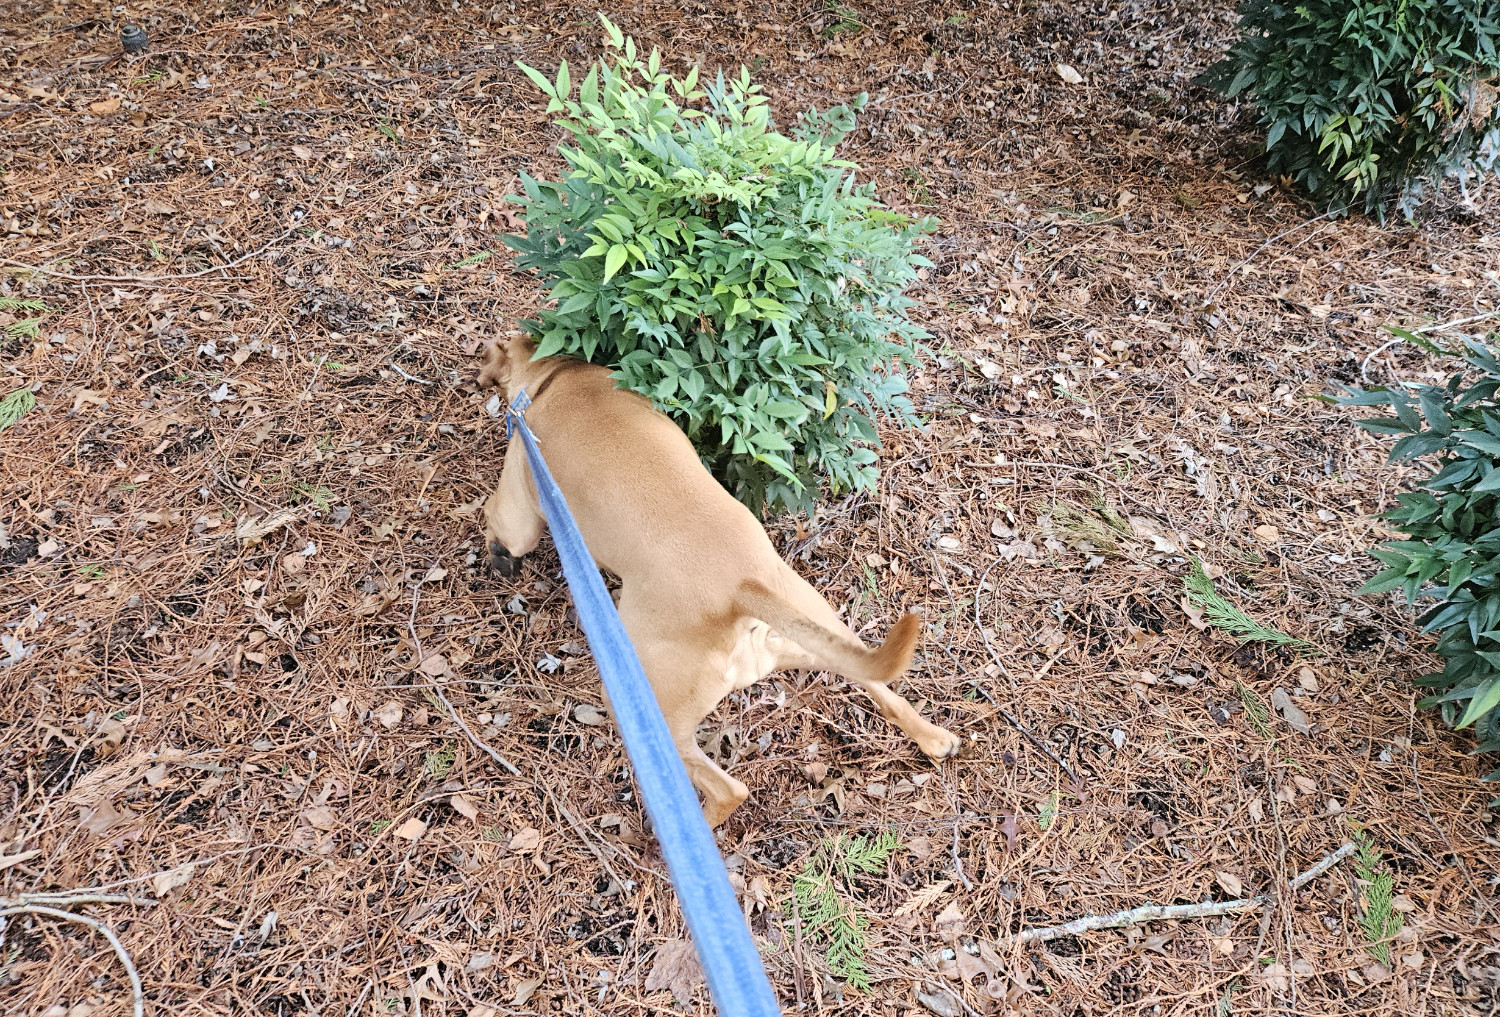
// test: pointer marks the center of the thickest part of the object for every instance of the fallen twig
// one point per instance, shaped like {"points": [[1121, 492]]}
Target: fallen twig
{"points": [[411, 628], [71, 897], [1043, 746], [150, 278], [1161, 912], [1229, 276], [409, 377], [138, 996], [1440, 326]]}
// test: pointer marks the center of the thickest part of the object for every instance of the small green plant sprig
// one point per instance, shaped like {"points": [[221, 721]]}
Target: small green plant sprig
{"points": [[1222, 614], [24, 328], [15, 406], [824, 901], [1366, 99], [1452, 522], [1378, 917], [736, 276]]}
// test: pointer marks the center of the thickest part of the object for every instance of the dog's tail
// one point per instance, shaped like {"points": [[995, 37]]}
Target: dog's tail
{"points": [[834, 651]]}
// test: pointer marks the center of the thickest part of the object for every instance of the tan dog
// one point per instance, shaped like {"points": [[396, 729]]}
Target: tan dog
{"points": [[707, 602]]}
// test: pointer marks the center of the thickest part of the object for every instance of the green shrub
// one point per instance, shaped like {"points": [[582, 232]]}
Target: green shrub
{"points": [[1366, 98], [1452, 521], [736, 276]]}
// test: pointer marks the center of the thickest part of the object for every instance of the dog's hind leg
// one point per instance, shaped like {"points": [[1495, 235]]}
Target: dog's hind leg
{"points": [[934, 741], [688, 684], [513, 519]]}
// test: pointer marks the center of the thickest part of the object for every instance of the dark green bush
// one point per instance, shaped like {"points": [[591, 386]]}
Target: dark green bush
{"points": [[736, 276], [1370, 99], [1451, 556]]}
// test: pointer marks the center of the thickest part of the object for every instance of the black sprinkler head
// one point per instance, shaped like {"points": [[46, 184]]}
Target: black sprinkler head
{"points": [[133, 38]]}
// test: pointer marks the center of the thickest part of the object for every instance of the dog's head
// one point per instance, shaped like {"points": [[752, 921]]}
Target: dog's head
{"points": [[505, 361]]}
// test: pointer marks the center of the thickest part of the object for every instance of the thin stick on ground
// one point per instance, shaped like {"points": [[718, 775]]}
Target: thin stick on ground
{"points": [[149, 278], [1160, 912], [1043, 746], [1229, 276], [138, 995], [74, 897], [411, 628]]}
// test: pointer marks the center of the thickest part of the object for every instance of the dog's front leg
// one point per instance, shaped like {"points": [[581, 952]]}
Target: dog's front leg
{"points": [[513, 519]]}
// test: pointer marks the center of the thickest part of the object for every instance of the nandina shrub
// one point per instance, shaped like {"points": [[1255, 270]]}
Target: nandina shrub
{"points": [[1450, 558], [1367, 100], [738, 277]]}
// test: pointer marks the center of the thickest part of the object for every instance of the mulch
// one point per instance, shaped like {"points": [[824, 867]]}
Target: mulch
{"points": [[242, 570]]}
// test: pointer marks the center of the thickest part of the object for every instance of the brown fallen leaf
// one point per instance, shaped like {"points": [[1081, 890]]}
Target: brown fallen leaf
{"points": [[99, 820], [464, 807], [302, 152], [1008, 827], [940, 1002], [110, 734], [524, 991], [526, 840], [1231, 883], [252, 530], [412, 829], [585, 713], [675, 967], [104, 107], [374, 603], [320, 817], [1194, 615], [163, 882], [1267, 534], [390, 714], [971, 967], [1290, 712], [435, 665]]}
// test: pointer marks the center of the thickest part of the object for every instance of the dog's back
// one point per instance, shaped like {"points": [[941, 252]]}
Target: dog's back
{"points": [[633, 478]]}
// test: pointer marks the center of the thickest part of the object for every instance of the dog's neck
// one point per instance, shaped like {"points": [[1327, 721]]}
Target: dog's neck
{"points": [[538, 378]]}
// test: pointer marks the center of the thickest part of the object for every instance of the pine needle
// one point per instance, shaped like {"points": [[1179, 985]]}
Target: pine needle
{"points": [[15, 406], [1223, 615]]}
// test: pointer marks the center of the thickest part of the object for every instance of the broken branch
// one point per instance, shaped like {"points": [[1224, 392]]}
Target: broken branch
{"points": [[1160, 912]]}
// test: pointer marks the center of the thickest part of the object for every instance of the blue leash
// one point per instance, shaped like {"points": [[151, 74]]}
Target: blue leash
{"points": [[736, 978]]}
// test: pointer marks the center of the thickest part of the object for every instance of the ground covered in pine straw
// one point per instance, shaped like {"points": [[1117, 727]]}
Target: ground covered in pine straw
{"points": [[242, 604]]}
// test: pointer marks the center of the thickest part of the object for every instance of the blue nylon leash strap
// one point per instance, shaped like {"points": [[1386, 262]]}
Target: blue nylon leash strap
{"points": [[736, 978]]}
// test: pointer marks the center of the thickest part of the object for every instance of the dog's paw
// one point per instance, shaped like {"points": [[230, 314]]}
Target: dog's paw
{"points": [[502, 562], [941, 744]]}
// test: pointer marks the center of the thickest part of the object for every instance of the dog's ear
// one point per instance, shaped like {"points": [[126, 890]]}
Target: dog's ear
{"points": [[496, 370], [503, 358]]}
